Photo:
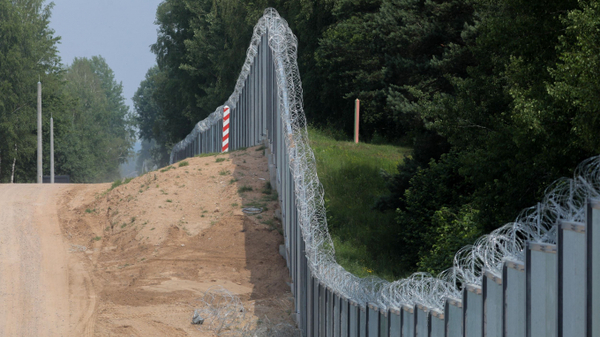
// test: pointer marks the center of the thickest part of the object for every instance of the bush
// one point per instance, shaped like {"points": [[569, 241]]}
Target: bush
{"points": [[452, 232]]}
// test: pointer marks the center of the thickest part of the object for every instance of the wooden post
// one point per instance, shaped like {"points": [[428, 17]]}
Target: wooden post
{"points": [[356, 119]]}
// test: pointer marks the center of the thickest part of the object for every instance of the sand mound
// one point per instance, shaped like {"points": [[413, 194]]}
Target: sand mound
{"points": [[154, 245]]}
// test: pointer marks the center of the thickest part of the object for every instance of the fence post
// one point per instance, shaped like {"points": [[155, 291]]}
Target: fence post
{"points": [[356, 119], [226, 114]]}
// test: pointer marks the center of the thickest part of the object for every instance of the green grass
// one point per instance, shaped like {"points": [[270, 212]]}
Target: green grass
{"points": [[245, 189], [267, 189], [168, 168], [183, 163], [218, 160], [119, 182], [116, 184], [210, 154], [350, 174], [257, 204]]}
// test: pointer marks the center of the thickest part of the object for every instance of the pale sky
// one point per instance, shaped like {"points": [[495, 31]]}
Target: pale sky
{"points": [[121, 31]]}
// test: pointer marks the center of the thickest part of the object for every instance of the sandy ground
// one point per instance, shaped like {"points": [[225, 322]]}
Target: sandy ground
{"points": [[137, 260]]}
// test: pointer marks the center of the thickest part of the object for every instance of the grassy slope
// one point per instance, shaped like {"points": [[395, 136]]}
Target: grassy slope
{"points": [[350, 174]]}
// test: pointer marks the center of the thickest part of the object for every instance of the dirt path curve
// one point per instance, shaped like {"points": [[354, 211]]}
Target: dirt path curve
{"points": [[39, 290]]}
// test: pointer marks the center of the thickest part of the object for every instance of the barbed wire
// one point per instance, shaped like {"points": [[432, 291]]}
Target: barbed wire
{"points": [[564, 199], [221, 312]]}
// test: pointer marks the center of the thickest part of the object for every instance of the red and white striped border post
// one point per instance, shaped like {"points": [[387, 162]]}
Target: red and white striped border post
{"points": [[225, 128]]}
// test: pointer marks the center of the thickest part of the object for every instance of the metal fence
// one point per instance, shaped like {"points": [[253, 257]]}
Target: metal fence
{"points": [[537, 276]]}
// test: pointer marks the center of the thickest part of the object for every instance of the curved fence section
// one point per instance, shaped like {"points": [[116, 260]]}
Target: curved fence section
{"points": [[532, 277]]}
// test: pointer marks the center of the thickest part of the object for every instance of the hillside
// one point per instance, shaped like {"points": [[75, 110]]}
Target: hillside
{"points": [[154, 245]]}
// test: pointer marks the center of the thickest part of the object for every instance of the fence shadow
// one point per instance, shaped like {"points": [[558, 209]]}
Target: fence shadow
{"points": [[263, 234]]}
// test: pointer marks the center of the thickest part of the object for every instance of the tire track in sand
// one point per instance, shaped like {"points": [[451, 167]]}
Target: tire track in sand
{"points": [[36, 297]]}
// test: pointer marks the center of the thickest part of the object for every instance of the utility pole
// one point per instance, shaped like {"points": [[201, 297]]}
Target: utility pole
{"points": [[40, 174], [51, 150]]}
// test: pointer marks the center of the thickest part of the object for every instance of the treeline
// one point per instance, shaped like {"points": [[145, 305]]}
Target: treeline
{"points": [[498, 98], [92, 127]]}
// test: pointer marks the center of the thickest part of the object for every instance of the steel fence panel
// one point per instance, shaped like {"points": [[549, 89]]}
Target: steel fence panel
{"points": [[408, 321], [542, 292], [330, 309], [384, 323], [514, 298], [344, 317], [593, 267], [363, 324], [336, 315], [354, 319], [421, 321], [395, 323], [571, 279], [492, 304], [372, 320], [437, 324], [322, 311], [316, 304], [310, 306], [472, 311]]}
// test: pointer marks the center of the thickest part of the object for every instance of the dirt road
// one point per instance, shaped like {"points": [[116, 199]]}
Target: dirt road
{"points": [[36, 297], [139, 258]]}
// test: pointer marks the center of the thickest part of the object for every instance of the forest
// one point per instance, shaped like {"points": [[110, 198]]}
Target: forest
{"points": [[93, 128], [497, 99]]}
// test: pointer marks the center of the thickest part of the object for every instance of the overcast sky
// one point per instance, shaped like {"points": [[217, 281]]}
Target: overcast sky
{"points": [[121, 31]]}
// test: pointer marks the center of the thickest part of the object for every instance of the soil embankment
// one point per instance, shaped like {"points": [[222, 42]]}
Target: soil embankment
{"points": [[85, 260]]}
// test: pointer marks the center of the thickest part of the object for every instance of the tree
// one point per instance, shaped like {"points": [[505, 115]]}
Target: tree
{"points": [[28, 54], [150, 119], [96, 134], [577, 71]]}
